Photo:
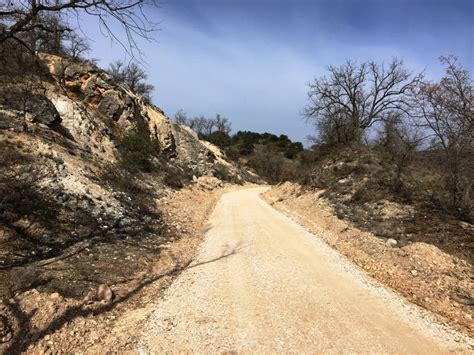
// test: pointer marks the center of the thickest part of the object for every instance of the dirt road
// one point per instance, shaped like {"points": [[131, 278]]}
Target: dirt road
{"points": [[263, 283]]}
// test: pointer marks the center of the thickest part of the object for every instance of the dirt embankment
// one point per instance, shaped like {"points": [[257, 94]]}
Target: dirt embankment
{"points": [[423, 273], [38, 321]]}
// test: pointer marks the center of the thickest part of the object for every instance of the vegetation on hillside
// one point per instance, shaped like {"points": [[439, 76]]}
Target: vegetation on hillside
{"points": [[420, 132], [133, 76], [272, 157], [31, 27]]}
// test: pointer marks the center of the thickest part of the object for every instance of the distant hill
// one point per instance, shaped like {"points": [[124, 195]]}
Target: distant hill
{"points": [[270, 156]]}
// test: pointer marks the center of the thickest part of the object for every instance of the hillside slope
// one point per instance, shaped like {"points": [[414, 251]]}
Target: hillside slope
{"points": [[84, 162]]}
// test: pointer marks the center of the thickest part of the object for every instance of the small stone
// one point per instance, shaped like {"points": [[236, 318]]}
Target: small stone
{"points": [[104, 293], [89, 298], [55, 296], [414, 272], [391, 243]]}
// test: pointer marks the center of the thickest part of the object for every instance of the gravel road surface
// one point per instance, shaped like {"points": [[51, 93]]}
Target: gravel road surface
{"points": [[262, 283]]}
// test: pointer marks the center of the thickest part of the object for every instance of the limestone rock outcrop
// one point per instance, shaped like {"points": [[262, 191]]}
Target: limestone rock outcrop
{"points": [[62, 189]]}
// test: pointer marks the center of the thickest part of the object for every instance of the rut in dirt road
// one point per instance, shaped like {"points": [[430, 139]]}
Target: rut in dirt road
{"points": [[263, 283]]}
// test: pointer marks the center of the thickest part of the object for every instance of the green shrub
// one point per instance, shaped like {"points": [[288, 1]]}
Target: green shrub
{"points": [[267, 165], [173, 178], [136, 151], [221, 139]]}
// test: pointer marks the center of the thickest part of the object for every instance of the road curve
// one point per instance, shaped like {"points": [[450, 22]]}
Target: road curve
{"points": [[262, 283]]}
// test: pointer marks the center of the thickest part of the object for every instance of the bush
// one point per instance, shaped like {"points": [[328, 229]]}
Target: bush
{"points": [[173, 178], [221, 139], [267, 165], [121, 180], [136, 151]]}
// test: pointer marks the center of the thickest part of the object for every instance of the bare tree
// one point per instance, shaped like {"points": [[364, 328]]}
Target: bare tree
{"points": [[133, 76], [446, 110], [335, 128], [75, 45], [208, 126], [400, 141], [20, 17], [201, 125], [204, 126], [181, 118], [356, 96], [49, 34], [222, 124]]}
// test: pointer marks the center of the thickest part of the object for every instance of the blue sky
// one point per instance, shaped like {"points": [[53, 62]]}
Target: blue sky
{"points": [[250, 61]]}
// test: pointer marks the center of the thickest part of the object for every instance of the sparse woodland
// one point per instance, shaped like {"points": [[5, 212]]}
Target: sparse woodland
{"points": [[415, 124], [382, 135], [423, 131]]}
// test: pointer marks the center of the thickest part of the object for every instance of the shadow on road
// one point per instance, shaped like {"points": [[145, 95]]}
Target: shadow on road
{"points": [[25, 335]]}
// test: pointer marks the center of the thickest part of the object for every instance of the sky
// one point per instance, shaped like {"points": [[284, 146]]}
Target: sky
{"points": [[251, 60]]}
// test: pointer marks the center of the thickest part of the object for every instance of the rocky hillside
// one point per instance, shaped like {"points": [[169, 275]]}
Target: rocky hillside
{"points": [[368, 189], [83, 164]]}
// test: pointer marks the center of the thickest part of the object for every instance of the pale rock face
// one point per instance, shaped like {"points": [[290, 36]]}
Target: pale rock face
{"points": [[86, 106], [162, 130], [65, 145], [83, 127], [111, 105]]}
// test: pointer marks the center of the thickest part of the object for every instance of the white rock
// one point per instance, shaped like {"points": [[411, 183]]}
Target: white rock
{"points": [[391, 242]]}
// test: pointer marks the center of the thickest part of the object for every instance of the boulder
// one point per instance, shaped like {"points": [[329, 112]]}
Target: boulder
{"points": [[161, 129], [94, 84], [73, 70], [166, 139], [111, 105], [36, 108], [208, 182], [42, 110], [67, 68]]}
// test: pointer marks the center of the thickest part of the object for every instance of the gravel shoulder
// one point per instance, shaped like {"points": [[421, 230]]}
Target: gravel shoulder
{"points": [[261, 282]]}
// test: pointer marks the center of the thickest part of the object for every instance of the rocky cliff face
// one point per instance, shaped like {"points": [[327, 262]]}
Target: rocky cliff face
{"points": [[95, 111], [61, 192]]}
